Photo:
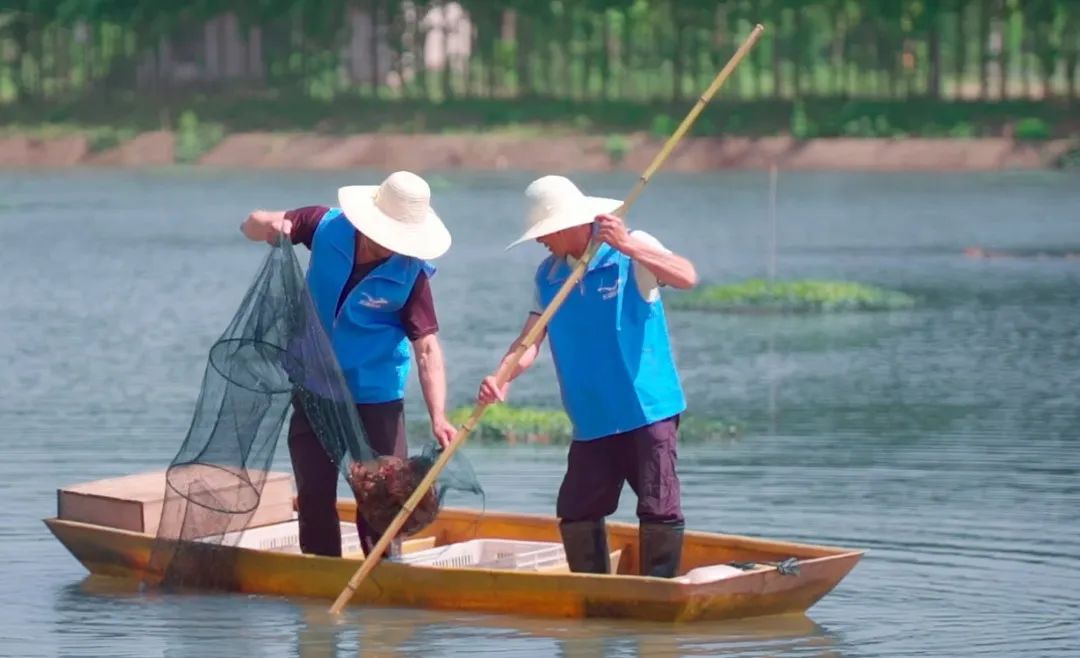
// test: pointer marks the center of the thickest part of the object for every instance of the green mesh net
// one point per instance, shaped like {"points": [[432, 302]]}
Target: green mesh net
{"points": [[275, 351]]}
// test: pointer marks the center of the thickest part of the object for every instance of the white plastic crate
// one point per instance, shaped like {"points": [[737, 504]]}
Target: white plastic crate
{"points": [[285, 538], [491, 554]]}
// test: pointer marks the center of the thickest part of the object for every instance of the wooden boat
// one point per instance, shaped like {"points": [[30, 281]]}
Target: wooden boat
{"points": [[761, 589]]}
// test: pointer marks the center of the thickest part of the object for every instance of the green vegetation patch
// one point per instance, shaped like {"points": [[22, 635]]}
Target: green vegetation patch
{"points": [[513, 425], [353, 113], [1071, 158], [507, 424], [806, 295], [98, 137], [194, 138]]}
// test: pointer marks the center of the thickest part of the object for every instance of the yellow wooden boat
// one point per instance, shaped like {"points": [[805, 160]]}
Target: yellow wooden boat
{"points": [[761, 589]]}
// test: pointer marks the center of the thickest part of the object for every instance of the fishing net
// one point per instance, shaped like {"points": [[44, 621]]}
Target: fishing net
{"points": [[275, 351]]}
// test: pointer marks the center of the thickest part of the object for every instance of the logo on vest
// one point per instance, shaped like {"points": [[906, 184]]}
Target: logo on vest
{"points": [[609, 292], [372, 302]]}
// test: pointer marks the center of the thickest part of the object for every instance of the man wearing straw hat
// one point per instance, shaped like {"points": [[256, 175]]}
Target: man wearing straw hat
{"points": [[369, 280], [616, 372]]}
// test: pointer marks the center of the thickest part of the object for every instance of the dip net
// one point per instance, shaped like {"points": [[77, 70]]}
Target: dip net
{"points": [[275, 351]]}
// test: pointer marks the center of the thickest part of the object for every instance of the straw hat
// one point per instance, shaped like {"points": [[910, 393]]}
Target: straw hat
{"points": [[555, 203], [397, 215]]}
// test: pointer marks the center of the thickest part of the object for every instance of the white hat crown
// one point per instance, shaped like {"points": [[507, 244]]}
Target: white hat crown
{"points": [[404, 197], [397, 214], [549, 196], [554, 203]]}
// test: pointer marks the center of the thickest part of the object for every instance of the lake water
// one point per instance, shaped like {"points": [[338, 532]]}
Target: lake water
{"points": [[943, 439]]}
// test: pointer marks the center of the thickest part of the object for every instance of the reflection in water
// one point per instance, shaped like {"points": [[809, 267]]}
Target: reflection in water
{"points": [[95, 616], [322, 635], [97, 611], [390, 633]]}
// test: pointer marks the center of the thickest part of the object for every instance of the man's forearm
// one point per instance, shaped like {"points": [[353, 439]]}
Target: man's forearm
{"points": [[669, 268], [523, 363], [529, 355], [432, 374]]}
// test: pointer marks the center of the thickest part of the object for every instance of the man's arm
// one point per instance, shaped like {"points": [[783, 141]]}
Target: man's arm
{"points": [[669, 268], [489, 393], [266, 226], [432, 373], [421, 327], [298, 224]]}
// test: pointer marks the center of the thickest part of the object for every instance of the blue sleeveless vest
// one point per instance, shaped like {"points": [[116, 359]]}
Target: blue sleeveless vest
{"points": [[366, 333], [611, 348]]}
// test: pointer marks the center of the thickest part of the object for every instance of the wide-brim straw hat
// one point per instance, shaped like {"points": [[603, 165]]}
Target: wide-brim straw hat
{"points": [[397, 215], [554, 203]]}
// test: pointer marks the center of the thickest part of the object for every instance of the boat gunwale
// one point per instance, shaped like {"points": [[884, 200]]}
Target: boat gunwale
{"points": [[653, 582]]}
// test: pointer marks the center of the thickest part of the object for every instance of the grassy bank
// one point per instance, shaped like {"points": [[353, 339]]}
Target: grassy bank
{"points": [[826, 117]]}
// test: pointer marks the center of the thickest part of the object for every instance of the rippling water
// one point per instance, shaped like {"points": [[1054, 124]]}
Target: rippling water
{"points": [[943, 439]]}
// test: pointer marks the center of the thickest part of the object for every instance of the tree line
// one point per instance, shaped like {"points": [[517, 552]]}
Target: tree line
{"points": [[580, 50]]}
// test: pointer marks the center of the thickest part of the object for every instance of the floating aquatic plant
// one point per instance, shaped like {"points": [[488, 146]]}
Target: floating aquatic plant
{"points": [[512, 425], [806, 295], [507, 424]]}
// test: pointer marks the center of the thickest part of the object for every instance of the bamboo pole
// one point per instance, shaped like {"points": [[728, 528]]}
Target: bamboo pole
{"points": [[537, 330]]}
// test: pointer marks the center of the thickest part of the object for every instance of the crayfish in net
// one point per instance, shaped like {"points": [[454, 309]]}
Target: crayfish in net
{"points": [[382, 486]]}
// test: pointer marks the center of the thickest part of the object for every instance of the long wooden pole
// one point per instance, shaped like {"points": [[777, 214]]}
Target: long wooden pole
{"points": [[537, 330]]}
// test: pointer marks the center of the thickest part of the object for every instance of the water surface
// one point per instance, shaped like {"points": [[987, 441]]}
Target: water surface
{"points": [[942, 439]]}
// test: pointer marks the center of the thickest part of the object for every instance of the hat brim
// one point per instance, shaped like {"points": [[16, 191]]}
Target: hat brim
{"points": [[583, 214], [427, 239]]}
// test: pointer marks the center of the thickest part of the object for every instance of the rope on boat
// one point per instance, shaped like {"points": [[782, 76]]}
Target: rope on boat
{"points": [[788, 567]]}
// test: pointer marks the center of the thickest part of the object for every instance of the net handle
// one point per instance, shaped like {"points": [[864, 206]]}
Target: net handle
{"points": [[537, 330]]}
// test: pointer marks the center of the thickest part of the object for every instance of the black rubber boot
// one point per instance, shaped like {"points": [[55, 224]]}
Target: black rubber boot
{"points": [[660, 547], [586, 546]]}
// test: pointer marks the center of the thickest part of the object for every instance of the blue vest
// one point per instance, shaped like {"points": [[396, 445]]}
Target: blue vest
{"points": [[366, 334], [611, 348]]}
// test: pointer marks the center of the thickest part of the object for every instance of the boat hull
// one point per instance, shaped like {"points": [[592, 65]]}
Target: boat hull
{"points": [[126, 554]]}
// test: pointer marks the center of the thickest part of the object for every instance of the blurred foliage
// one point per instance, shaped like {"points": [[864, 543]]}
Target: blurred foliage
{"points": [[540, 118], [617, 146], [1032, 128], [194, 138], [949, 68]]}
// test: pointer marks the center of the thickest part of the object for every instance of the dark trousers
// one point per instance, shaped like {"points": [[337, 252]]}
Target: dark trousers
{"points": [[597, 469], [317, 476]]}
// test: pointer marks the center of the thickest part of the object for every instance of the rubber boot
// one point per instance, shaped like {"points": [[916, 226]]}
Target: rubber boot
{"points": [[660, 547], [586, 546]]}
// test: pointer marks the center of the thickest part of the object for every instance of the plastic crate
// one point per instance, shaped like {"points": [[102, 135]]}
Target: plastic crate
{"points": [[491, 554], [285, 538]]}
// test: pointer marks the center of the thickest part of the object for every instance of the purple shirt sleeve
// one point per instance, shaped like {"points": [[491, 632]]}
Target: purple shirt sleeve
{"points": [[418, 313], [304, 222]]}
